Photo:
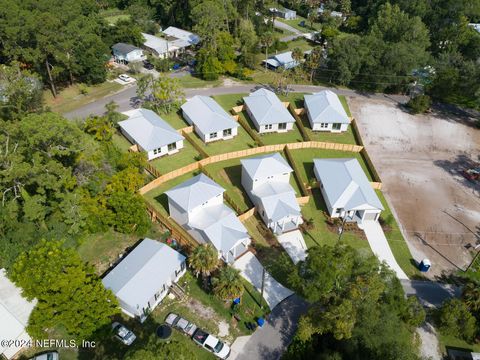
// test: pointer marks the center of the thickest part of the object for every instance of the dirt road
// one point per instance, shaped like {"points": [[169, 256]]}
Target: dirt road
{"points": [[419, 159]]}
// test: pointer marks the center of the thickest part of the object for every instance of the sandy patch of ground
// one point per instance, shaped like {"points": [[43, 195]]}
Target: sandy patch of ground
{"points": [[208, 313], [429, 347], [419, 159]]}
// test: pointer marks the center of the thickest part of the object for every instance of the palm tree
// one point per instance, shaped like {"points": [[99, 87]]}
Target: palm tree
{"points": [[228, 283], [297, 55], [203, 260], [471, 296], [267, 40]]}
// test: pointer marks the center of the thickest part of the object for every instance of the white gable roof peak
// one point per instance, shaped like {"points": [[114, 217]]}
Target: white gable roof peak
{"points": [[266, 165]]}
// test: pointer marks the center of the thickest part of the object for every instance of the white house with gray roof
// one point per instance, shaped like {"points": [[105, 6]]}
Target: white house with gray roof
{"points": [[197, 205], [143, 278], [266, 179], [325, 112], [282, 60], [150, 133], [126, 53], [14, 314], [210, 121], [164, 48], [267, 112], [346, 190]]}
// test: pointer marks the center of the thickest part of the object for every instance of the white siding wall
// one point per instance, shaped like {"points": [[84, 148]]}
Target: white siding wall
{"points": [[186, 117], [164, 151], [206, 137], [316, 127], [247, 181], [135, 55], [266, 128], [176, 213]]}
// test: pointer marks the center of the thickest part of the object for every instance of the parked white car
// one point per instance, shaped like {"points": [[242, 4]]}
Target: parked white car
{"points": [[125, 77], [123, 334], [211, 343]]}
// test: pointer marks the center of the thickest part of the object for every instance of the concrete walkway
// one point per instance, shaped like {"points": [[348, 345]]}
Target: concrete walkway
{"points": [[270, 341], [252, 271], [294, 245], [379, 244]]}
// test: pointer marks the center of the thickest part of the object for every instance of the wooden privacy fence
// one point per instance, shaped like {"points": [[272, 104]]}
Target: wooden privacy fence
{"points": [[376, 185], [153, 170], [299, 123], [247, 214], [237, 109], [247, 152], [176, 231], [186, 130], [299, 111], [303, 200]]}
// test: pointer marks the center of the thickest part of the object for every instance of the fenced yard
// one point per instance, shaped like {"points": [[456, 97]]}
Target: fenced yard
{"points": [[183, 157]]}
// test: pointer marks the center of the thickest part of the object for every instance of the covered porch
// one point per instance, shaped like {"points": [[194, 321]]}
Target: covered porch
{"points": [[288, 223], [236, 251]]}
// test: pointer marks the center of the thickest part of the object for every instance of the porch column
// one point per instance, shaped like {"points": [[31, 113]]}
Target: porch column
{"points": [[297, 220], [283, 224]]}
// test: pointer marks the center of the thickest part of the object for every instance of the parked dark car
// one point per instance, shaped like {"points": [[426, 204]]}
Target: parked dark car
{"points": [[148, 65]]}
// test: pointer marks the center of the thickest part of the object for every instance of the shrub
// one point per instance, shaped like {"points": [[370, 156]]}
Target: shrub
{"points": [[83, 89], [455, 319], [419, 104]]}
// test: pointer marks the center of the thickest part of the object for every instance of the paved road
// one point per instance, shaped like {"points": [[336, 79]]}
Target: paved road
{"points": [[127, 100], [283, 26], [430, 293], [270, 341]]}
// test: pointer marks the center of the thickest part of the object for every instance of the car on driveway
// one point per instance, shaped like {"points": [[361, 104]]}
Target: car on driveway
{"points": [[180, 323], [123, 334], [148, 65], [125, 77], [211, 343]]}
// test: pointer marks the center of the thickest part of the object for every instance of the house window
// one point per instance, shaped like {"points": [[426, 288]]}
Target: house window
{"points": [[213, 135], [282, 126], [268, 127], [172, 146], [336, 126], [323, 125], [227, 132]]}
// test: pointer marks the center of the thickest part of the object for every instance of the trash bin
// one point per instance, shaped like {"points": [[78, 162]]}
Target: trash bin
{"points": [[424, 265], [260, 321], [236, 301]]}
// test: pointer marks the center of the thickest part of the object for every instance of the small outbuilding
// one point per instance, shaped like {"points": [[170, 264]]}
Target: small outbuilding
{"points": [[143, 278], [286, 14], [267, 112], [211, 122], [325, 112], [14, 313], [346, 190], [126, 53], [150, 133]]}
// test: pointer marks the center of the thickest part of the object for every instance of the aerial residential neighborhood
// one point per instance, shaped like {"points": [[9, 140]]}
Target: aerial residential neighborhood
{"points": [[240, 180]]}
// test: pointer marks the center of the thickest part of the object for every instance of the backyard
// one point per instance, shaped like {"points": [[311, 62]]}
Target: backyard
{"points": [[183, 157], [241, 141]]}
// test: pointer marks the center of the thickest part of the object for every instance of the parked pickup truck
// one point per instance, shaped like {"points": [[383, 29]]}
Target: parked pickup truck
{"points": [[180, 323], [211, 343]]}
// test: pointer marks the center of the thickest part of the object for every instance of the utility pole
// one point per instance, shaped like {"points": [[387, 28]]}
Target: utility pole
{"points": [[263, 286]]}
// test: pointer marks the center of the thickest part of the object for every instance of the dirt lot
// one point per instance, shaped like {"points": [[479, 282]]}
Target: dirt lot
{"points": [[419, 159]]}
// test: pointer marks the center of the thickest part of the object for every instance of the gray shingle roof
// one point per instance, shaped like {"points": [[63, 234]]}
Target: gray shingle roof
{"points": [[175, 32], [345, 184], [325, 107], [143, 272], [124, 48], [207, 115], [194, 192], [265, 165], [148, 129], [267, 108], [161, 46]]}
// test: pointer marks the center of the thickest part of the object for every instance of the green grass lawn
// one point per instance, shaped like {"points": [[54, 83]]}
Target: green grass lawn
{"points": [[240, 142], [183, 157], [304, 160], [121, 141], [230, 100], [291, 136], [112, 20], [175, 119], [451, 341], [189, 81], [70, 98], [300, 43], [296, 24]]}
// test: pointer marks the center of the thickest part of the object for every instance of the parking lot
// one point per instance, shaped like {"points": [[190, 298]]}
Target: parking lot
{"points": [[419, 159]]}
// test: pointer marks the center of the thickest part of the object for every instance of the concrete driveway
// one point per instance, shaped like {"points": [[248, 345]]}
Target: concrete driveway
{"points": [[294, 245], [379, 244], [252, 271]]}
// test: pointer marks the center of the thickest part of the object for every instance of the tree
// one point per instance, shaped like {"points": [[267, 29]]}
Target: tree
{"points": [[297, 55], [313, 61], [210, 18], [68, 292], [203, 260], [158, 350], [100, 127], [266, 40], [247, 37], [419, 104], [162, 94], [455, 319], [227, 284], [471, 297], [20, 92]]}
